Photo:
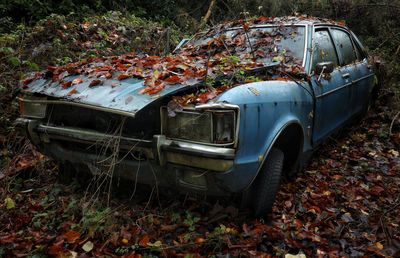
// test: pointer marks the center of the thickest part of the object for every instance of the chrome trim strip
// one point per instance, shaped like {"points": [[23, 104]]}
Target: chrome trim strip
{"points": [[305, 47], [60, 102], [199, 147], [332, 91], [85, 134], [220, 105], [96, 136], [345, 85], [363, 78]]}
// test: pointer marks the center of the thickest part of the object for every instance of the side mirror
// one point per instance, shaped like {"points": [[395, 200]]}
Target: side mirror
{"points": [[183, 42], [324, 68]]}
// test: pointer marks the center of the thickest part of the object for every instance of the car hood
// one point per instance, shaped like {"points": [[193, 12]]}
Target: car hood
{"points": [[112, 93]]}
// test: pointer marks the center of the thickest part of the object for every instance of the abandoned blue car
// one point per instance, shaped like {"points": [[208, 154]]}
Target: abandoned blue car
{"points": [[232, 110]]}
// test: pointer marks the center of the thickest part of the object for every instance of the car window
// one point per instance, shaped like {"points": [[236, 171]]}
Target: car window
{"points": [[344, 46], [361, 54], [268, 43], [324, 50]]}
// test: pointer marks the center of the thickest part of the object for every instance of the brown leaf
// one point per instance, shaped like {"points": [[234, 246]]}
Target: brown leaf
{"points": [[173, 79], [376, 190], [168, 227], [72, 92], [144, 241], [67, 84], [123, 76], [95, 83], [71, 236]]}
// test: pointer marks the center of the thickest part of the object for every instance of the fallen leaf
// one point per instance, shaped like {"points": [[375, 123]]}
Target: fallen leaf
{"points": [[71, 236], [67, 84], [10, 204], [379, 245], [123, 76], [144, 241], [95, 83], [173, 79], [72, 92], [77, 81], [155, 244], [88, 246]]}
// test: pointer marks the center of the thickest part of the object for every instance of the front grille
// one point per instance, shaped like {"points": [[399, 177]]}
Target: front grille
{"points": [[143, 126]]}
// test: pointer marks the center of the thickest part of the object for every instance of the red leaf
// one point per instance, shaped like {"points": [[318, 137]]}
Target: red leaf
{"points": [[56, 248], [246, 26], [27, 81], [71, 236], [261, 19], [104, 69], [51, 68], [108, 75], [72, 92], [144, 241], [123, 76], [95, 83], [66, 85], [376, 190], [173, 79]]}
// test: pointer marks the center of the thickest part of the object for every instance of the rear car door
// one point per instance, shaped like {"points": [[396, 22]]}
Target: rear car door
{"points": [[332, 92], [356, 67]]}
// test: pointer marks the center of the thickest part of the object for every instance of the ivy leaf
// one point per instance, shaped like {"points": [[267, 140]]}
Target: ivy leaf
{"points": [[10, 204], [14, 61]]}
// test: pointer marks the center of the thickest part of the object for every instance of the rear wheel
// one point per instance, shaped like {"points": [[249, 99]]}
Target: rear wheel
{"points": [[266, 185]]}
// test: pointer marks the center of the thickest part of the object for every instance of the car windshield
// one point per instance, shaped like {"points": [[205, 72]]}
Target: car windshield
{"points": [[267, 44]]}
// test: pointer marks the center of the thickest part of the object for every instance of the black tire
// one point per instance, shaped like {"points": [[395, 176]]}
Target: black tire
{"points": [[66, 173], [266, 185]]}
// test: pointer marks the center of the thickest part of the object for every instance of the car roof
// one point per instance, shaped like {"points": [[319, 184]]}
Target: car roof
{"points": [[284, 20]]}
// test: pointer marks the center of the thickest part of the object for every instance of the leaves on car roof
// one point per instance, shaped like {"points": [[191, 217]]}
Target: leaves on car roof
{"points": [[222, 57]]}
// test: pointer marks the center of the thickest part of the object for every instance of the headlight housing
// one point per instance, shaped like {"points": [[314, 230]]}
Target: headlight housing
{"points": [[32, 107], [217, 127]]}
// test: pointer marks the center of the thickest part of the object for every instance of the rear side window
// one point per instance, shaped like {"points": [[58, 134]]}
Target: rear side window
{"points": [[324, 50], [359, 47], [344, 46]]}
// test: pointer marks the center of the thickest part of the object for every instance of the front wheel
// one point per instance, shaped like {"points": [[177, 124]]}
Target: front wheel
{"points": [[266, 185]]}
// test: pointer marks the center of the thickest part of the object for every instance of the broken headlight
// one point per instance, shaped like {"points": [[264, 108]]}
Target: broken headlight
{"points": [[211, 126], [32, 107]]}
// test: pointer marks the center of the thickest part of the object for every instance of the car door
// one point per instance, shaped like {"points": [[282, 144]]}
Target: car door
{"points": [[357, 69], [332, 92]]}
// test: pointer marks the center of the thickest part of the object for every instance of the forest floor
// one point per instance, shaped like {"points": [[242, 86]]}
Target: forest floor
{"points": [[346, 202]]}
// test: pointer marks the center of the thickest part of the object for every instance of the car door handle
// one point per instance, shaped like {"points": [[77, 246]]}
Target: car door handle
{"points": [[346, 75]]}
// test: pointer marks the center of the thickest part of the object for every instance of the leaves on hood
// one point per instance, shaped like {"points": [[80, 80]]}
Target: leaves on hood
{"points": [[221, 57]]}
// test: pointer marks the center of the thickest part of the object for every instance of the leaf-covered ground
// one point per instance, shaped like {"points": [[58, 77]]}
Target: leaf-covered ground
{"points": [[346, 202]]}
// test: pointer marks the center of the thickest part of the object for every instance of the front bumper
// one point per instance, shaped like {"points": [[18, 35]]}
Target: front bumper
{"points": [[168, 162]]}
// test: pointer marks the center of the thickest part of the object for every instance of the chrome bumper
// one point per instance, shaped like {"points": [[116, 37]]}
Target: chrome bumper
{"points": [[160, 149]]}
